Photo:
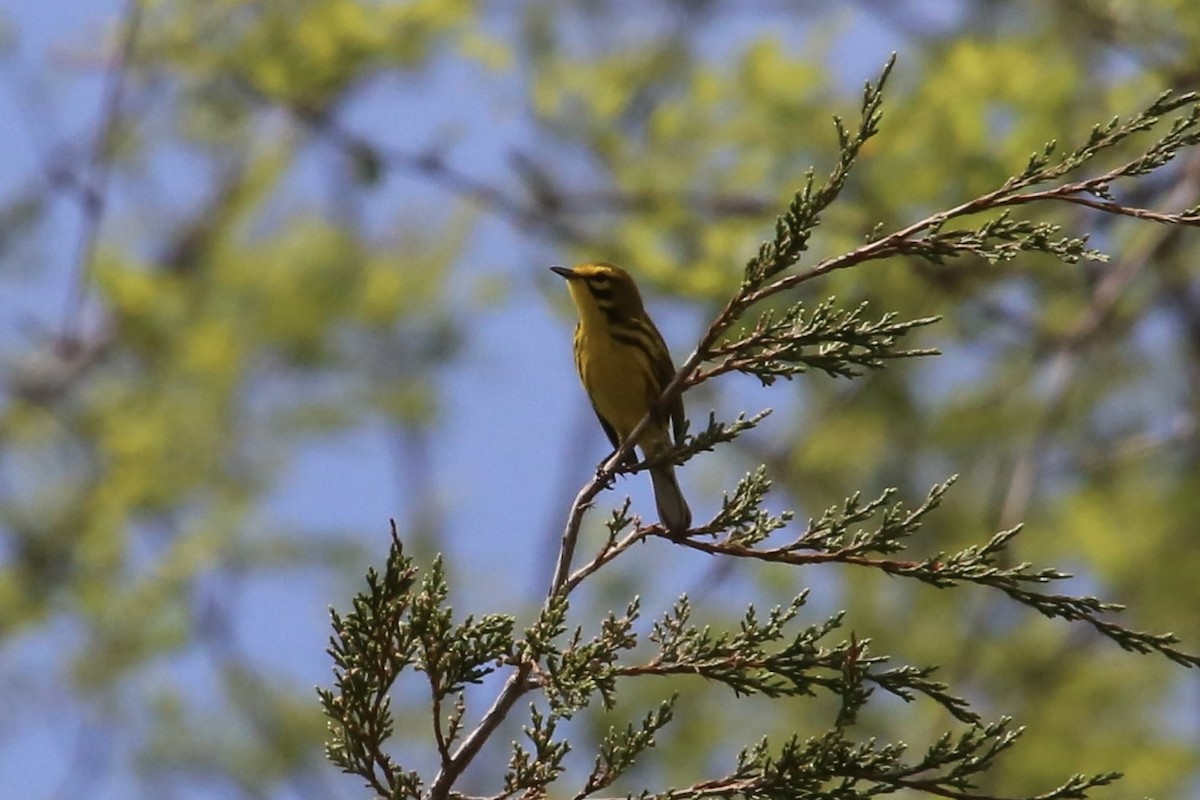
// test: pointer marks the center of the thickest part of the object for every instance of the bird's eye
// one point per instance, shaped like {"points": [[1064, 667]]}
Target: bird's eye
{"points": [[601, 278]]}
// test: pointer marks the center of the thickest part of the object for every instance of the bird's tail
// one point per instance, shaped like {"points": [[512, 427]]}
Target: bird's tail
{"points": [[673, 511]]}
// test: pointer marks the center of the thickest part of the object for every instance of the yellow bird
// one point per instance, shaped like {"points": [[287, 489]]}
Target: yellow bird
{"points": [[625, 366]]}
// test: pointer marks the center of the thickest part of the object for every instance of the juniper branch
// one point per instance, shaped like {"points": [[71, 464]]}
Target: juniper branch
{"points": [[833, 340], [395, 626], [834, 539], [833, 768], [762, 657]]}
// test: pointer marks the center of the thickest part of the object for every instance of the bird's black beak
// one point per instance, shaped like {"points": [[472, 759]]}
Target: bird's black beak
{"points": [[566, 272]]}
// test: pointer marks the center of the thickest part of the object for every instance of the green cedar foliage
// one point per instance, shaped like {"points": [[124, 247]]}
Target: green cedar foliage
{"points": [[397, 619]]}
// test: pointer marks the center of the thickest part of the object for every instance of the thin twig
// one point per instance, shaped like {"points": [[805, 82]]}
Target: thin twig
{"points": [[517, 685], [606, 555], [523, 216], [93, 196], [1128, 211]]}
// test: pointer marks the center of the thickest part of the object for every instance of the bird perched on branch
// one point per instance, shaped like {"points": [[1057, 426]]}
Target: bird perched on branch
{"points": [[625, 366]]}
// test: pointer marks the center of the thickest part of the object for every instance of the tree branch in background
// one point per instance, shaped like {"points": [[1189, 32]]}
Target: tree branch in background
{"points": [[94, 190]]}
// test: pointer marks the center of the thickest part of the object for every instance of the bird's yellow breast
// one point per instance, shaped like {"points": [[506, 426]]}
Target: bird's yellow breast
{"points": [[618, 380]]}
